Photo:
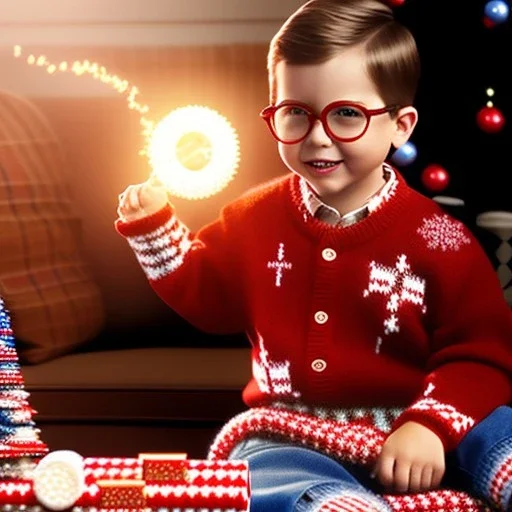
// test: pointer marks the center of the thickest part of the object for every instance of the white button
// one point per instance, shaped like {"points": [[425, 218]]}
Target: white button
{"points": [[318, 365], [329, 254], [321, 317]]}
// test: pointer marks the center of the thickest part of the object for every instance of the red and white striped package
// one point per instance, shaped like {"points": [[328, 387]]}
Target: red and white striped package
{"points": [[148, 482], [170, 481]]}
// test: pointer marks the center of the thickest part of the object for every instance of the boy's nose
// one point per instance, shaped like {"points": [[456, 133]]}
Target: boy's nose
{"points": [[318, 135]]}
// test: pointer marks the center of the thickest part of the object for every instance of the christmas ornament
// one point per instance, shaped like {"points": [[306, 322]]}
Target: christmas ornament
{"points": [[435, 177], [405, 154], [496, 12], [490, 119], [396, 3]]}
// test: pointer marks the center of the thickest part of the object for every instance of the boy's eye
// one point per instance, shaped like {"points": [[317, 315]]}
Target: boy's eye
{"points": [[348, 112], [294, 111]]}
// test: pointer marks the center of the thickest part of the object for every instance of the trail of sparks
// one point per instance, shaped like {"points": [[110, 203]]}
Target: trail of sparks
{"points": [[97, 72]]}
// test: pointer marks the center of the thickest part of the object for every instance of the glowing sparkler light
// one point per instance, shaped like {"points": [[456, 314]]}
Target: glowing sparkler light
{"points": [[194, 151], [97, 72]]}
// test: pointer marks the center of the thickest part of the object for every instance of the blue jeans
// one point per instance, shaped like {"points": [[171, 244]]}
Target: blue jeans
{"points": [[475, 464], [286, 478]]}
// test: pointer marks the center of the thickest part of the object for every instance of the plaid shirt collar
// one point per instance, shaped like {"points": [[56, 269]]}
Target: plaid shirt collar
{"points": [[318, 209]]}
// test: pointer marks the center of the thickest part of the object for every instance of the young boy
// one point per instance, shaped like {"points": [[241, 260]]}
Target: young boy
{"points": [[374, 317]]}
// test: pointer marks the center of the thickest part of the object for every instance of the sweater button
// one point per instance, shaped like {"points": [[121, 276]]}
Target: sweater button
{"points": [[329, 254], [321, 317], [318, 365]]}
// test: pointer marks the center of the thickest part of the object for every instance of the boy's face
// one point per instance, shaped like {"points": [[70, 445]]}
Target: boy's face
{"points": [[356, 170]]}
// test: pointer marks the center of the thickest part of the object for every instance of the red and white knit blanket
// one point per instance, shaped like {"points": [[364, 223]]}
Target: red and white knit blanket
{"points": [[357, 441]]}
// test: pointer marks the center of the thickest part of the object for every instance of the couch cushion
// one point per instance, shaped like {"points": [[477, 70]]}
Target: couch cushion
{"points": [[144, 369], [161, 387], [54, 302]]}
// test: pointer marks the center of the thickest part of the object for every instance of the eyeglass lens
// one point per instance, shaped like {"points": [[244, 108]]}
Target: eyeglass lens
{"points": [[292, 122]]}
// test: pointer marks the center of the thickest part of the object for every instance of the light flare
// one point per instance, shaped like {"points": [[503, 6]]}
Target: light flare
{"points": [[194, 150], [97, 72]]}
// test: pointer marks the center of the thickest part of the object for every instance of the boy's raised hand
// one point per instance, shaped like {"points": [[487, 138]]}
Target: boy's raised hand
{"points": [[412, 459], [142, 200]]}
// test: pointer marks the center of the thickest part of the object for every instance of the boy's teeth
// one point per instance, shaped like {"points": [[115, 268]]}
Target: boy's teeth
{"points": [[323, 164]]}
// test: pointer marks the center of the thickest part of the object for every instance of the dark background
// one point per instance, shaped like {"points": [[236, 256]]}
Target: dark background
{"points": [[461, 58]]}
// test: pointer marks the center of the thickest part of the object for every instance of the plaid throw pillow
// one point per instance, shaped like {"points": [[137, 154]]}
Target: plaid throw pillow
{"points": [[54, 303]]}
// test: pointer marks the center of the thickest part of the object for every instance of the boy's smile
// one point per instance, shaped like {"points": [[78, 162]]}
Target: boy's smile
{"points": [[323, 167]]}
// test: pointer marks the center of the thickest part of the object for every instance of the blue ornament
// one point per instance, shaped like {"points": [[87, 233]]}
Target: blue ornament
{"points": [[497, 11], [405, 154]]}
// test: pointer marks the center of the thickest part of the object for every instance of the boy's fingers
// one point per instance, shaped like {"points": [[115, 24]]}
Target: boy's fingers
{"points": [[139, 196], [437, 476], [415, 478], [384, 471], [155, 180], [122, 196], [135, 197], [401, 477]]}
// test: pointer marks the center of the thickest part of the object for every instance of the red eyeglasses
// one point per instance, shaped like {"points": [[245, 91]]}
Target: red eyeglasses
{"points": [[344, 121]]}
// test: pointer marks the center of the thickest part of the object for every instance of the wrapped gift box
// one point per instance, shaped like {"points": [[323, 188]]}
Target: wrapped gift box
{"points": [[149, 482], [121, 494], [163, 467]]}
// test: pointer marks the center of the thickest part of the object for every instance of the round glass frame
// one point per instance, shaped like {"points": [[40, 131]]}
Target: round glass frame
{"points": [[268, 115]]}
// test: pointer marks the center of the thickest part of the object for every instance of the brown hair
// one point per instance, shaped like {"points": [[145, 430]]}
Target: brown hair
{"points": [[320, 29]]}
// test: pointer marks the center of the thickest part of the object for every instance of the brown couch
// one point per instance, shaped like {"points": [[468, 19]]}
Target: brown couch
{"points": [[123, 402]]}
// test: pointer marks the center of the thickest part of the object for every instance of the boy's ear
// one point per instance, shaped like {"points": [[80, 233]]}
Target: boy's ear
{"points": [[405, 121]]}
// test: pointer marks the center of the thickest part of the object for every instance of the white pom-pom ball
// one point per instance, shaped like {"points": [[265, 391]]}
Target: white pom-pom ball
{"points": [[59, 479]]}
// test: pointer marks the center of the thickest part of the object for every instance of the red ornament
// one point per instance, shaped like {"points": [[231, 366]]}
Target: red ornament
{"points": [[490, 119], [488, 23], [435, 178], [395, 3]]}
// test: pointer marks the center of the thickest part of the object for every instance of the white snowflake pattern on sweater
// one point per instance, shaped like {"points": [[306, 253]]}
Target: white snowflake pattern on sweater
{"points": [[444, 233], [273, 377], [400, 285]]}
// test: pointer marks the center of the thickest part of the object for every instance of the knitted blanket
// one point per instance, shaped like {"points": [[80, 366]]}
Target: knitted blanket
{"points": [[357, 442]]}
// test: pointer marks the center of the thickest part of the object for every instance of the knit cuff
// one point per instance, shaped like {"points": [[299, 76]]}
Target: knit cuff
{"points": [[444, 420], [145, 224], [162, 251], [493, 478]]}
